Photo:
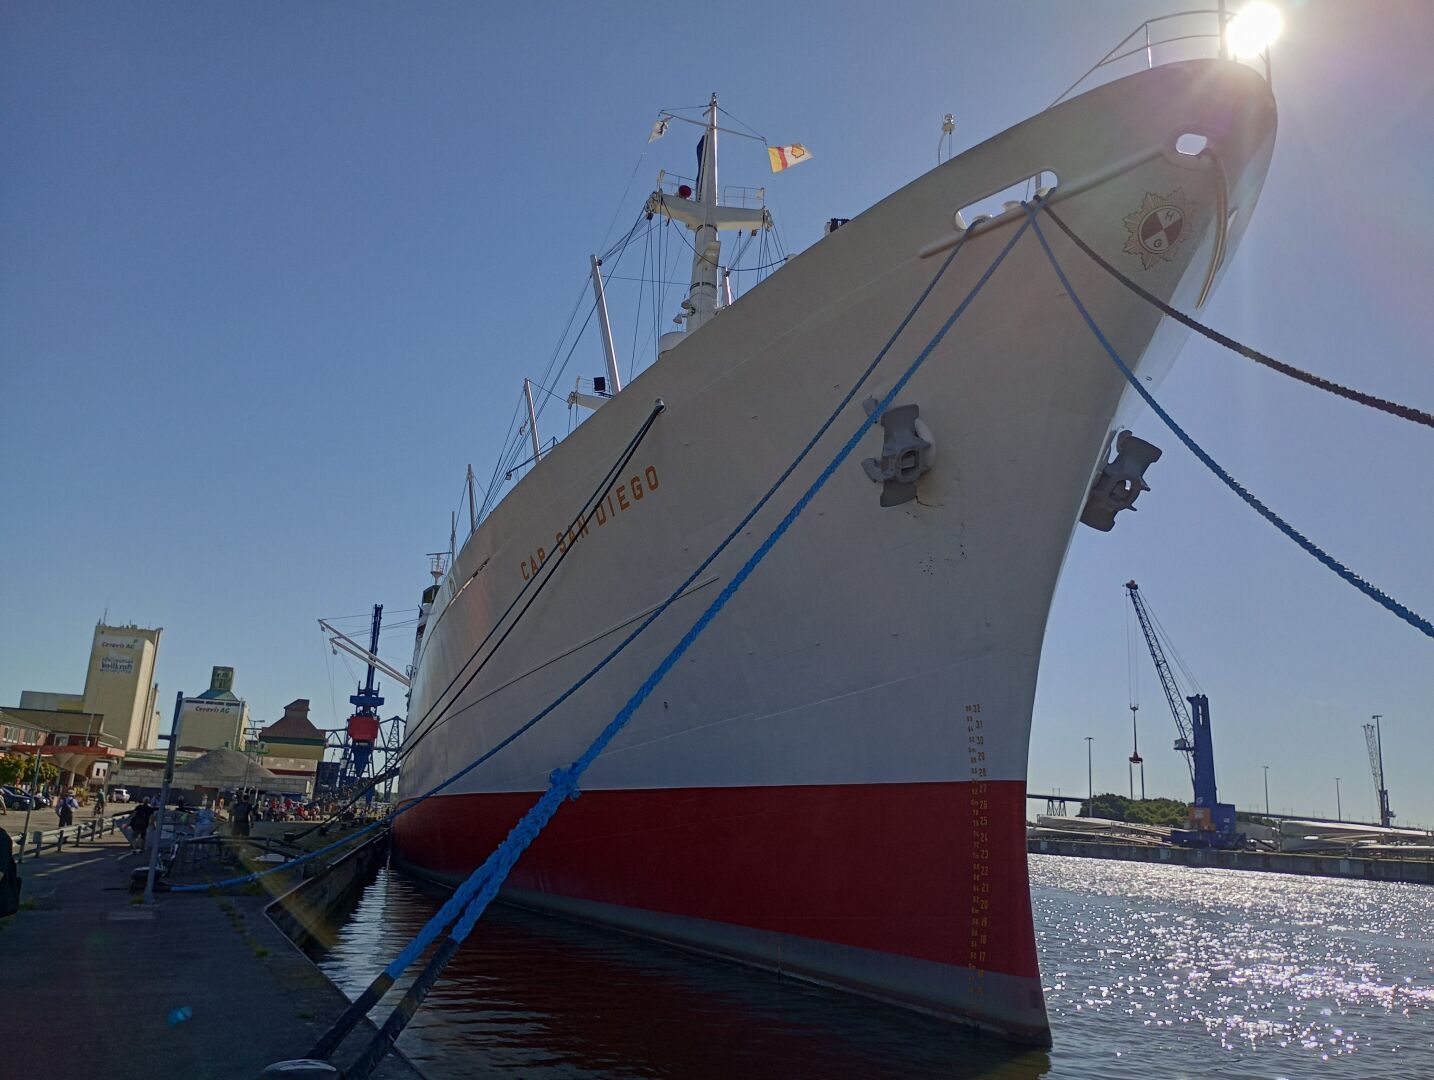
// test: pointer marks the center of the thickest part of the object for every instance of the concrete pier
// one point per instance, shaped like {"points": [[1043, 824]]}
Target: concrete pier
{"points": [[1410, 871], [198, 987]]}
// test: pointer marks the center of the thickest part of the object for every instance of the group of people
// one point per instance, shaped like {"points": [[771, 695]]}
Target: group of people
{"points": [[200, 821], [242, 814]]}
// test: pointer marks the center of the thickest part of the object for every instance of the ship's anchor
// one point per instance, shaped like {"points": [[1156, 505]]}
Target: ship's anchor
{"points": [[907, 452], [1120, 482]]}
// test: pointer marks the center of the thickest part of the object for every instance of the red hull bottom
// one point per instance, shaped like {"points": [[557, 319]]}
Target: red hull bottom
{"points": [[913, 893]]}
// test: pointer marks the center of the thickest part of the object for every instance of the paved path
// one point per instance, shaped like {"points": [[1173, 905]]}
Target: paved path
{"points": [[199, 988], [45, 818]]}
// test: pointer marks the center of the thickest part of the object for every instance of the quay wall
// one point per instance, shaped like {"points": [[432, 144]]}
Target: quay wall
{"points": [[1403, 870], [303, 913]]}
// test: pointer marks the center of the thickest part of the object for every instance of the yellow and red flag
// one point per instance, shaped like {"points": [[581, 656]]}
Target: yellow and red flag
{"points": [[784, 157]]}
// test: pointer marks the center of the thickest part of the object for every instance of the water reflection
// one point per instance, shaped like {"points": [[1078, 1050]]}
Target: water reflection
{"points": [[533, 996], [1252, 974], [1149, 970]]}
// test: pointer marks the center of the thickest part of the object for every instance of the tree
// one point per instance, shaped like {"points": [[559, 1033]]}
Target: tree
{"points": [[1141, 811], [12, 767], [19, 769]]}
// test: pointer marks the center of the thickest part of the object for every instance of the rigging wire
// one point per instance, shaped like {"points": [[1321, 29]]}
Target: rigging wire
{"points": [[1168, 645], [757, 269], [622, 198], [493, 481], [641, 296], [366, 617], [333, 693], [755, 133]]}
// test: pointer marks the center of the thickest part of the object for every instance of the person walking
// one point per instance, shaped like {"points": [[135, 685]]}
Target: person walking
{"points": [[68, 806], [240, 816], [139, 822]]}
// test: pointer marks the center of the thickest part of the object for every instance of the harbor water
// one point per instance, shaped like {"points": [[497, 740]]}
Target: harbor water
{"points": [[1149, 970]]}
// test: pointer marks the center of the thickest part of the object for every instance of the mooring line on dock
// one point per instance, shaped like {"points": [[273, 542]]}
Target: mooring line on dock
{"points": [[455, 903], [484, 883], [1327, 560], [1319, 382]]}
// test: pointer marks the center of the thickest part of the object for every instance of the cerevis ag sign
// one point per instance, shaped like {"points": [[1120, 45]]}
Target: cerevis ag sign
{"points": [[118, 654]]}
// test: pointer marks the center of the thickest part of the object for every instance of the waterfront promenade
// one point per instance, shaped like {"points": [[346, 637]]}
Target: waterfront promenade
{"points": [[198, 987]]}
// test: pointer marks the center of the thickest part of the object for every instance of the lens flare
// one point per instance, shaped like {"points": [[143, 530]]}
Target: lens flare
{"points": [[1253, 28]]}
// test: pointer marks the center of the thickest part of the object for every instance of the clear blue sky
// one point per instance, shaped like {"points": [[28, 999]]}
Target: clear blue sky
{"points": [[270, 275]]}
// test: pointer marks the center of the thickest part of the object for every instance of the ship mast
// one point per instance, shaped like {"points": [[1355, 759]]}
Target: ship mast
{"points": [[704, 215], [707, 246]]}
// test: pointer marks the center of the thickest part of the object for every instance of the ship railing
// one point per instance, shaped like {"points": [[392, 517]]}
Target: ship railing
{"points": [[749, 197], [731, 195], [1197, 34], [672, 184]]}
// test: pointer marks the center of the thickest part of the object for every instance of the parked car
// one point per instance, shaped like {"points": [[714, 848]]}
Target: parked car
{"points": [[119, 794], [16, 799]]}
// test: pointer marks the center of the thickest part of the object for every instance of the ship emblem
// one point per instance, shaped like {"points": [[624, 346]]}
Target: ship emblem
{"points": [[1157, 228]]}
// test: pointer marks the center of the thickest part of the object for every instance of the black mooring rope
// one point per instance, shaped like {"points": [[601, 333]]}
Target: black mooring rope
{"points": [[1393, 408]]}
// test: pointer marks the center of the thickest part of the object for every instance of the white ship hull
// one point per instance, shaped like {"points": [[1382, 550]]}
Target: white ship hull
{"points": [[832, 780]]}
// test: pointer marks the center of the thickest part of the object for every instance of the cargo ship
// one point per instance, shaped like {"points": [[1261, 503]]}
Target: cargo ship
{"points": [[831, 783]]}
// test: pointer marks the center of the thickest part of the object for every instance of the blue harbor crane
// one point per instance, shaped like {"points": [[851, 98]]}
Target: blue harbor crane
{"points": [[362, 730], [1212, 823], [364, 733]]}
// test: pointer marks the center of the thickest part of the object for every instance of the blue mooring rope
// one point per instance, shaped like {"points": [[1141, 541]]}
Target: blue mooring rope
{"points": [[1323, 557], [657, 612]]}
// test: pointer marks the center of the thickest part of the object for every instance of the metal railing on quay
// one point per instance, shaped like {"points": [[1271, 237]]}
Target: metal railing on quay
{"points": [[81, 832]]}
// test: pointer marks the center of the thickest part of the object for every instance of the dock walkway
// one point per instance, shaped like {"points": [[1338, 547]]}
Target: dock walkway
{"points": [[197, 987]]}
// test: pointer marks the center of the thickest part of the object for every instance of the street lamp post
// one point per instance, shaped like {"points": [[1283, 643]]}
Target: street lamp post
{"points": [[163, 801], [34, 794], [1267, 789], [1338, 810], [1089, 777]]}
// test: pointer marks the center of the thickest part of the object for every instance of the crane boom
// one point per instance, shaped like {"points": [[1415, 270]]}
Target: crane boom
{"points": [[1376, 767], [339, 640], [1212, 823], [1186, 742]]}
